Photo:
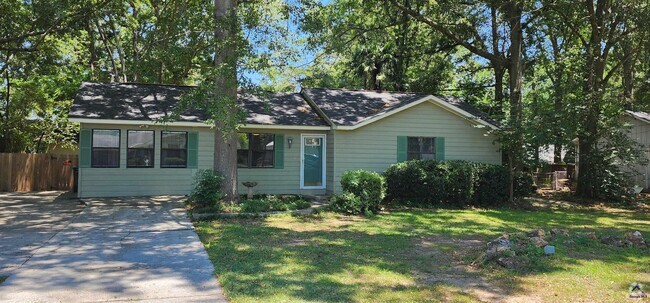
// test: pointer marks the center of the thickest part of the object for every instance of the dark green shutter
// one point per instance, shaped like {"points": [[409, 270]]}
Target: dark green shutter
{"points": [[440, 148], [85, 141], [192, 150], [279, 151], [401, 148]]}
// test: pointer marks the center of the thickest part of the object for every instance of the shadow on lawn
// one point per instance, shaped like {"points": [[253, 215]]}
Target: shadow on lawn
{"points": [[338, 265], [344, 262]]}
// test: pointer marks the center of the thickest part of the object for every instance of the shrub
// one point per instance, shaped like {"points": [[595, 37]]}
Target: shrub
{"points": [[254, 205], [288, 203], [523, 184], [406, 181], [426, 183], [491, 186], [346, 203], [207, 189], [458, 183], [368, 186], [264, 203]]}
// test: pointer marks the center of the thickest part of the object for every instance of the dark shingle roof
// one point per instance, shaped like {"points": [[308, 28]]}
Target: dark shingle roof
{"points": [[351, 107], [643, 116], [128, 101], [468, 108]]}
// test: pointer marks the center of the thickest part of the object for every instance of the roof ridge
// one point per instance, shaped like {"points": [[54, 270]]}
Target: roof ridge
{"points": [[369, 90], [138, 83]]}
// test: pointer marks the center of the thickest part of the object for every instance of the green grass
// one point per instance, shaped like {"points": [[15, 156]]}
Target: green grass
{"points": [[421, 256]]}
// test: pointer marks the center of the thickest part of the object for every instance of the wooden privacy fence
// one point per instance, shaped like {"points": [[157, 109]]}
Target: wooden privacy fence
{"points": [[32, 172]]}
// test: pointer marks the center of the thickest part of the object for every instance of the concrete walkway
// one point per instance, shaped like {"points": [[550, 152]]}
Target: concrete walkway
{"points": [[56, 250]]}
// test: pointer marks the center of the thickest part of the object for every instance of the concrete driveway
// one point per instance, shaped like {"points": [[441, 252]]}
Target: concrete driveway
{"points": [[55, 249]]}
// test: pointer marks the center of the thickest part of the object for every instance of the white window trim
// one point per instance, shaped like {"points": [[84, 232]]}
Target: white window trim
{"points": [[302, 161]]}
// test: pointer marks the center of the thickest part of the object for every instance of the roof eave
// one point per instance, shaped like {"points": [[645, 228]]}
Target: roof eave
{"points": [[193, 124], [430, 98], [635, 116]]}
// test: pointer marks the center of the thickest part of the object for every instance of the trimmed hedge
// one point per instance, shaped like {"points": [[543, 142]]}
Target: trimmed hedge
{"points": [[363, 191], [427, 183]]}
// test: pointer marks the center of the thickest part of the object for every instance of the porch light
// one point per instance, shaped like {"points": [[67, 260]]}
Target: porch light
{"points": [[289, 141]]}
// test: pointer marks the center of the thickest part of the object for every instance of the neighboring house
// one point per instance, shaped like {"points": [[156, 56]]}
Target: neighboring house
{"points": [[298, 143], [639, 132]]}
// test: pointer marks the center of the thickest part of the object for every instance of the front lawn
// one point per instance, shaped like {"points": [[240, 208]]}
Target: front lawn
{"points": [[422, 256]]}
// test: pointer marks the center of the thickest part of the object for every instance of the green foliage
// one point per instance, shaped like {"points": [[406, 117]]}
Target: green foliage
{"points": [[427, 183], [347, 203], [207, 189], [264, 203], [373, 45], [491, 186], [254, 205], [363, 191], [368, 186], [523, 184]]}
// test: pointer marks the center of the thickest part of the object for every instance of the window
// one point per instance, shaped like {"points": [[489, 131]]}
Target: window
{"points": [[421, 148], [173, 149], [140, 148], [105, 148], [255, 150]]}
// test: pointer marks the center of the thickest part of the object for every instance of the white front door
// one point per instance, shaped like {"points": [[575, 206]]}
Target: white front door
{"points": [[312, 161]]}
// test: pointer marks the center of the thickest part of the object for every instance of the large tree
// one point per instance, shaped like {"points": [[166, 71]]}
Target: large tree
{"points": [[602, 27], [477, 26]]}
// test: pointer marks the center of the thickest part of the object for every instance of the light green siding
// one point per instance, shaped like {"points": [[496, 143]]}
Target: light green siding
{"points": [[123, 181], [374, 146], [639, 132], [284, 180], [371, 147], [329, 173]]}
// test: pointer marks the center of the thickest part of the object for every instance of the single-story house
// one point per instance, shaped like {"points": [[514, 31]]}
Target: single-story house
{"points": [[290, 143], [639, 131]]}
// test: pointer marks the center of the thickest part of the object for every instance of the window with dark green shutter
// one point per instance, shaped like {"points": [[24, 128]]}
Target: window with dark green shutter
{"points": [[420, 148], [255, 150]]}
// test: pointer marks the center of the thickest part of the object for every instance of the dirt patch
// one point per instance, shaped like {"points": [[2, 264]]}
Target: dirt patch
{"points": [[450, 264]]}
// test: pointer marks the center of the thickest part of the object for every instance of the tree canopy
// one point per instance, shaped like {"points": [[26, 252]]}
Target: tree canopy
{"points": [[549, 71]]}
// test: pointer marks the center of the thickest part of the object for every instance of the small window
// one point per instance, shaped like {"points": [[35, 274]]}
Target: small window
{"points": [[105, 148], [255, 150], [421, 148], [173, 149], [140, 148]]}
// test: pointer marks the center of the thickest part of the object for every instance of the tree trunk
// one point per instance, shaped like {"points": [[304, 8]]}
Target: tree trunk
{"points": [[558, 96], [499, 72], [374, 82], [593, 75], [628, 73], [109, 52], [225, 60], [515, 72], [499, 69], [91, 49]]}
